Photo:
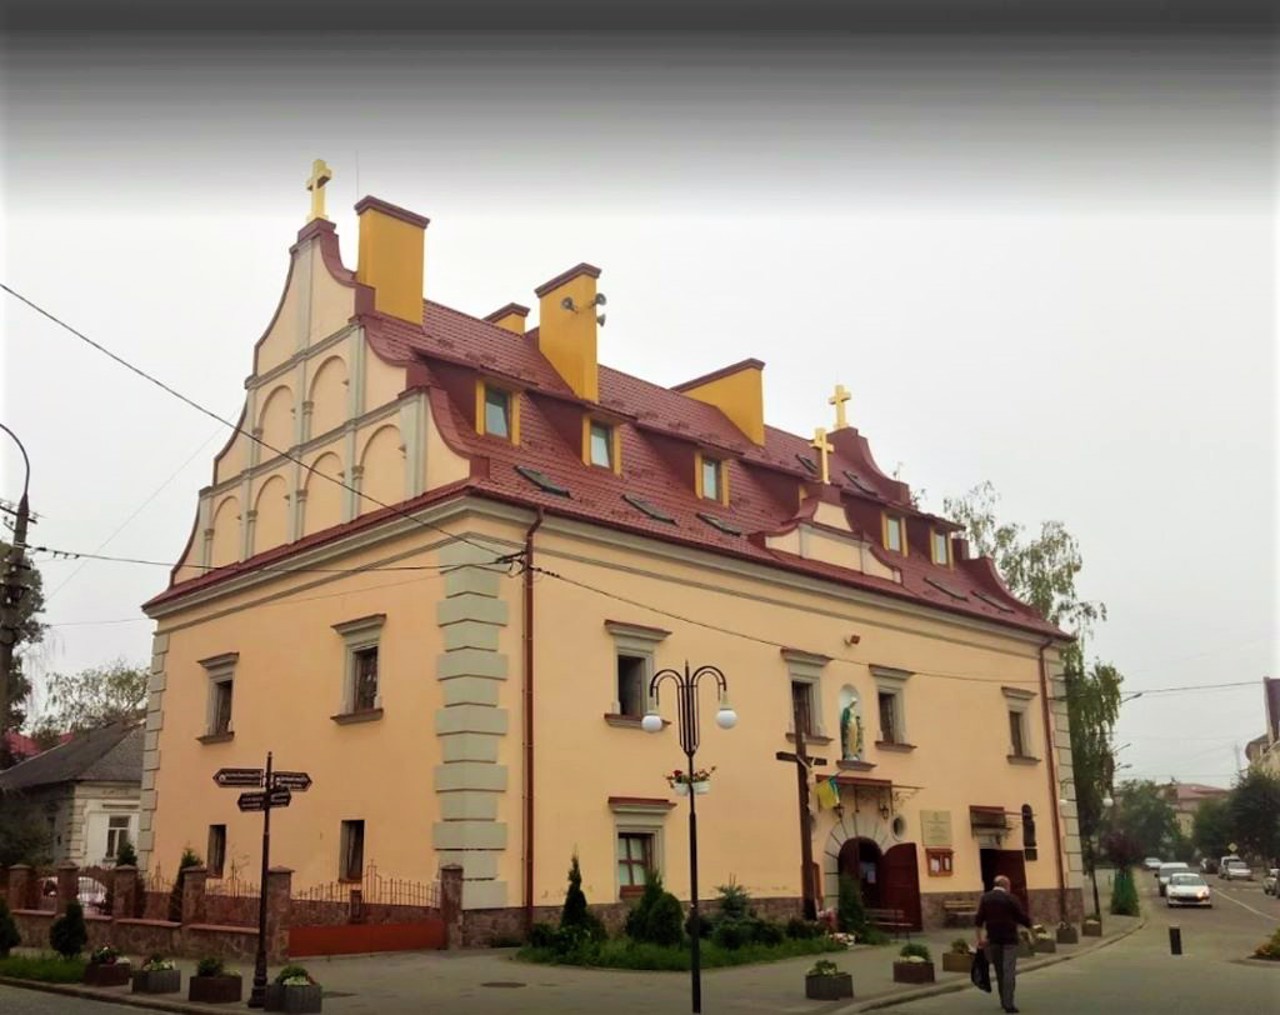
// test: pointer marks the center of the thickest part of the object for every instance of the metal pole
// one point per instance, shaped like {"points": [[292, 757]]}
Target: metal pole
{"points": [[695, 955], [11, 588], [257, 996]]}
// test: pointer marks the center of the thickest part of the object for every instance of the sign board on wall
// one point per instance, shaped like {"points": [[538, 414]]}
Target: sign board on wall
{"points": [[935, 828]]}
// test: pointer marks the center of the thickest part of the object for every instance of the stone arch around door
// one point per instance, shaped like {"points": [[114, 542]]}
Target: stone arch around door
{"points": [[862, 838]]}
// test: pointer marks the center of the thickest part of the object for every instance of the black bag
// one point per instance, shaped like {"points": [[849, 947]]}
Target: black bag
{"points": [[980, 974]]}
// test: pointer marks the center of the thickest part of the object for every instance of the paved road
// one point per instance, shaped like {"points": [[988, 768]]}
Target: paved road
{"points": [[16, 1001]]}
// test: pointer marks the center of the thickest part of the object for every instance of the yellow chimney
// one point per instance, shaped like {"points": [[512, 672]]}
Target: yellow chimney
{"points": [[567, 328], [392, 242], [737, 391], [511, 317]]}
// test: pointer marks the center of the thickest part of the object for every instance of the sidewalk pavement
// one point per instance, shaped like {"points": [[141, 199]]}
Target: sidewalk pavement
{"points": [[492, 982]]}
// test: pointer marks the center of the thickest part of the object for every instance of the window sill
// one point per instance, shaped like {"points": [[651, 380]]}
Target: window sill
{"points": [[628, 722], [891, 745], [811, 738], [351, 881], [1022, 759], [217, 738], [855, 766], [364, 715], [631, 892]]}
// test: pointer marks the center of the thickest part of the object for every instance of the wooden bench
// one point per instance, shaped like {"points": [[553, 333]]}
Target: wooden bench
{"points": [[894, 920], [959, 911]]}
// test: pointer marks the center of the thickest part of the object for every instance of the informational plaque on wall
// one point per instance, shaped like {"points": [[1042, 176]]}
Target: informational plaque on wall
{"points": [[935, 828]]}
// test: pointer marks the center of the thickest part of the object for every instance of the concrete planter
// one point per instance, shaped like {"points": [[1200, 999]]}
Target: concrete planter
{"points": [[157, 981], [828, 987], [288, 998], [115, 974], [1068, 936], [913, 972], [957, 962], [1046, 946], [225, 989], [1025, 949], [1091, 928]]}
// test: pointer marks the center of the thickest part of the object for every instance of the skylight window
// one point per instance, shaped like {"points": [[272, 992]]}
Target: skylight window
{"points": [[946, 589], [807, 462], [994, 602], [720, 523], [542, 481], [648, 508], [853, 478]]}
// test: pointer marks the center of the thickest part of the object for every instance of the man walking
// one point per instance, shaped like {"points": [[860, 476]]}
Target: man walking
{"points": [[1000, 913]]}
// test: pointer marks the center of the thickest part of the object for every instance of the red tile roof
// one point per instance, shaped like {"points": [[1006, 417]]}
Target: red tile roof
{"points": [[659, 428]]}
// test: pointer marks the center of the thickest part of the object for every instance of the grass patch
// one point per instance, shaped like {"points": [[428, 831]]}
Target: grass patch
{"points": [[46, 968], [623, 953]]}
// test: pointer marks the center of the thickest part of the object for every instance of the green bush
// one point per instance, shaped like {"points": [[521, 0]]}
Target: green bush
{"points": [[804, 930], [293, 973], [542, 935], [622, 953], [210, 966], [126, 856], [914, 949], [1124, 894], [69, 935], [733, 934], [665, 925], [576, 921], [735, 903], [851, 916], [9, 936], [45, 968], [769, 933], [1269, 949]]}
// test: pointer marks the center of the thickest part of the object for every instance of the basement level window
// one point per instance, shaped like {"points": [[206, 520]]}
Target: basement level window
{"points": [[648, 508], [858, 483], [720, 523], [945, 589], [542, 481], [995, 603]]}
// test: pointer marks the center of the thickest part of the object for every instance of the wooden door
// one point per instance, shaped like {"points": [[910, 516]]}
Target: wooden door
{"points": [[900, 882]]}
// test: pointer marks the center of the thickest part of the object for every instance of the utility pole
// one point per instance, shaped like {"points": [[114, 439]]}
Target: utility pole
{"points": [[13, 589]]}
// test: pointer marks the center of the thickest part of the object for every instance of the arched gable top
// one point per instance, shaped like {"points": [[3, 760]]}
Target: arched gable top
{"points": [[272, 402], [328, 464], [380, 437], [272, 487]]}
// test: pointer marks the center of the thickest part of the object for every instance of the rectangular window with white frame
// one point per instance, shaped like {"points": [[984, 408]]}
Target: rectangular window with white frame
{"points": [[891, 706], [804, 705], [361, 672], [118, 826], [634, 648], [638, 841], [1018, 704], [220, 672]]}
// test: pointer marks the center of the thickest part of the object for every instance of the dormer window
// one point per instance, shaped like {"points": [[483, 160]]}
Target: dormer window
{"points": [[895, 534], [497, 411], [711, 478], [602, 449], [941, 546]]}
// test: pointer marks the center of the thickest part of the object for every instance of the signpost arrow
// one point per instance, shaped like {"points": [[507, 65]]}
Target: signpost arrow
{"points": [[229, 777], [299, 782], [252, 801]]}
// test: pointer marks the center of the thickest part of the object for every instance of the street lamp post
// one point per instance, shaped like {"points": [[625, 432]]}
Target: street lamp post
{"points": [[11, 588], [686, 685]]}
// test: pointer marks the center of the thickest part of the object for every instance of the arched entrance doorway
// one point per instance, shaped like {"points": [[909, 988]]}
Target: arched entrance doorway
{"points": [[889, 880], [860, 859]]}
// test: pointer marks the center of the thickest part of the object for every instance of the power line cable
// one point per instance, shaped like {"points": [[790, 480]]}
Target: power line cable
{"points": [[232, 426], [70, 555]]}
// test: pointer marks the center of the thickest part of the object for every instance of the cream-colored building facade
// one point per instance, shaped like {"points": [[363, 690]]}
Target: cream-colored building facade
{"points": [[439, 563]]}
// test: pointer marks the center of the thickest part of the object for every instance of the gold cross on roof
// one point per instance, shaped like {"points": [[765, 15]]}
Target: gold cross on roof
{"points": [[320, 175], [838, 400], [823, 447]]}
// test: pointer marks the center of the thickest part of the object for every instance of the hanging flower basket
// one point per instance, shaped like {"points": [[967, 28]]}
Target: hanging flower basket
{"points": [[699, 781]]}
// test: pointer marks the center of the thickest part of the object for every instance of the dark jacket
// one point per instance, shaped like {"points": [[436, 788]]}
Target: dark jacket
{"points": [[1001, 913]]}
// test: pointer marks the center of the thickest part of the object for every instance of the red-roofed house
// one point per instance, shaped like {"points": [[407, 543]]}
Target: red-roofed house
{"points": [[444, 555]]}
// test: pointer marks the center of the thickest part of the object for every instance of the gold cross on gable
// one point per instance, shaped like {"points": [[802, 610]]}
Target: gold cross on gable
{"points": [[823, 447], [320, 175], [838, 399]]}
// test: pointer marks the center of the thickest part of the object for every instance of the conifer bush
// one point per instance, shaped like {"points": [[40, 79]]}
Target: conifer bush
{"points": [[851, 915], [9, 936], [69, 935], [1124, 894]]}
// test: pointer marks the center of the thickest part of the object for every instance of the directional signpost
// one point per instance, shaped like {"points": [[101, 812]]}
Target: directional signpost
{"points": [[272, 790]]}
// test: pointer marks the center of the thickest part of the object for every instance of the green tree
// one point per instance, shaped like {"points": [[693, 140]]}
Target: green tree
{"points": [[94, 697], [851, 916], [9, 936], [1212, 828], [69, 935], [24, 832], [1255, 814], [1143, 812], [29, 631], [1124, 894]]}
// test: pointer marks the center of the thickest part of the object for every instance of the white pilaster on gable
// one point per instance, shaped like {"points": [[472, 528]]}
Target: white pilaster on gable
{"points": [[413, 437], [350, 500], [359, 354], [305, 268], [246, 516]]}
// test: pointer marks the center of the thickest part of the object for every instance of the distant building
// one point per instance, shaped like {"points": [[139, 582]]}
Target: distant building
{"points": [[1187, 797], [18, 747], [1263, 753], [89, 788]]}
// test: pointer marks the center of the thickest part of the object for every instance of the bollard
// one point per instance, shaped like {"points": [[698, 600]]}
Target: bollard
{"points": [[1175, 940]]}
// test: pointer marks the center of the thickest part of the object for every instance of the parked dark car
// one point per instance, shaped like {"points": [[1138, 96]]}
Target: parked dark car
{"points": [[1208, 866]]}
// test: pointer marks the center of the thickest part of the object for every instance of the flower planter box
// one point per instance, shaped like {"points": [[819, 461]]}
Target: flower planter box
{"points": [[288, 998], [1091, 928], [832, 987], [957, 962], [225, 989], [913, 972], [115, 974], [1046, 946], [1025, 949], [1068, 936], [157, 981], [700, 788]]}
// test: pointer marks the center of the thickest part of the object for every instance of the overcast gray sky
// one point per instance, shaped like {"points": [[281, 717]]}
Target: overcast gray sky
{"points": [[1046, 264]]}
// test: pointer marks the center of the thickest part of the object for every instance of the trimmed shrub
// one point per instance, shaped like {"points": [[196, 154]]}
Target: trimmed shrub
{"points": [[542, 935], [735, 903], [665, 925], [126, 856], [638, 918], [210, 966], [69, 935], [804, 930], [732, 934], [767, 932], [574, 913], [9, 936], [851, 916], [916, 950], [1124, 894], [189, 859]]}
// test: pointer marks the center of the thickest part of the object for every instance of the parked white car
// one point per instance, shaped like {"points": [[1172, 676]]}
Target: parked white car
{"points": [[1236, 870], [1166, 871], [1188, 890], [1222, 864], [1152, 863]]}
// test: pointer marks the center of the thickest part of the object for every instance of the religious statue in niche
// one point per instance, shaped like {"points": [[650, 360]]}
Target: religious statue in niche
{"points": [[851, 736]]}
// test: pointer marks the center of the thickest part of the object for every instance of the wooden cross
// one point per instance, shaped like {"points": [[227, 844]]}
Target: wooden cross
{"points": [[803, 763], [823, 447], [320, 175], [838, 399]]}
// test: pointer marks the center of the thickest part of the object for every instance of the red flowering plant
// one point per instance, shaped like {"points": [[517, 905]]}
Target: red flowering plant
{"points": [[698, 775]]}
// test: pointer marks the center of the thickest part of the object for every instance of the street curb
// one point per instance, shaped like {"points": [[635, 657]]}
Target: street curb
{"points": [[133, 1000], [951, 988]]}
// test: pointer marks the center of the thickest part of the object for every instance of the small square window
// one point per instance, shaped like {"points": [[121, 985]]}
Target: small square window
{"points": [[364, 664], [632, 692], [635, 860], [893, 536], [890, 729], [217, 852], [1017, 733], [802, 706], [941, 549], [351, 862], [222, 695], [711, 478], [497, 412], [601, 445]]}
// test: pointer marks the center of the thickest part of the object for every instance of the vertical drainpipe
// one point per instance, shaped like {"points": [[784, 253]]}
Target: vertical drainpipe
{"points": [[528, 720], [1051, 749]]}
